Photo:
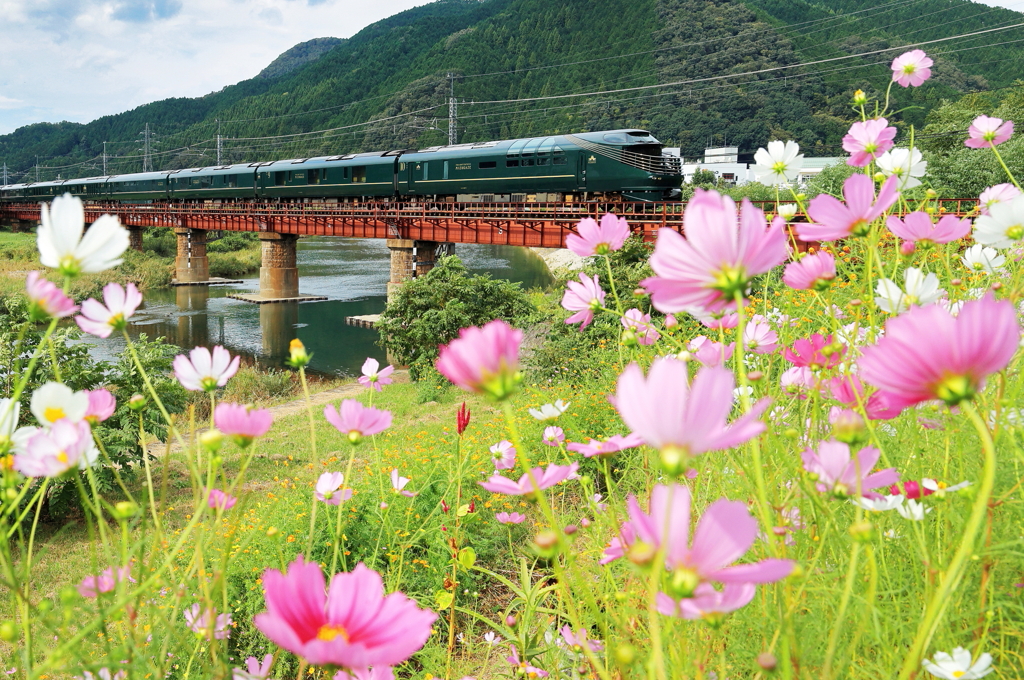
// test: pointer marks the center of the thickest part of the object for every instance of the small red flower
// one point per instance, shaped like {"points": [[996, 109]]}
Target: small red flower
{"points": [[462, 418]]}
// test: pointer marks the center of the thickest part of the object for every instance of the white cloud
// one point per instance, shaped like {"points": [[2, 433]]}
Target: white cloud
{"points": [[78, 60]]}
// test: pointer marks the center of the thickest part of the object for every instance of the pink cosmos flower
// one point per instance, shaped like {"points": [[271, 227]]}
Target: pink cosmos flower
{"points": [[584, 298], [918, 226], [613, 444], [867, 140], [811, 272], [640, 323], [219, 499], [759, 337], [46, 299], [101, 320], [484, 359], [254, 670], [719, 257], [814, 352], [849, 391], [927, 353], [202, 371], [523, 666], [510, 518], [377, 673], [352, 624], [843, 477], [798, 379], [208, 623], [911, 68], [593, 239], [577, 640], [724, 534], [371, 377], [553, 435], [911, 489], [710, 353], [101, 674], [242, 423], [399, 482], [327, 486], [546, 478], [834, 219], [721, 321], [619, 545], [679, 419], [985, 132], [503, 455], [708, 603], [51, 453], [1000, 193], [101, 405], [357, 421], [91, 586]]}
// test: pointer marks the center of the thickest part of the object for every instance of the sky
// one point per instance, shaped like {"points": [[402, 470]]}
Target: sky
{"points": [[78, 60]]}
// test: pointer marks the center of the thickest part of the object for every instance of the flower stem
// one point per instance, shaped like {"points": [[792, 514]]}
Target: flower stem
{"points": [[837, 623]]}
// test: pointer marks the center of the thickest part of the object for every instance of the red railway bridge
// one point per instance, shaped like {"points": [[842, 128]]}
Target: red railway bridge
{"points": [[415, 232]]}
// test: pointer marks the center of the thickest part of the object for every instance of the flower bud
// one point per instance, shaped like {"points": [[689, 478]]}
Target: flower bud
{"points": [[754, 376], [546, 543], [8, 632], [848, 427], [510, 621], [212, 440], [879, 177], [930, 193], [859, 98], [297, 357], [125, 510], [137, 402], [639, 293], [625, 654], [629, 338], [856, 302], [956, 282], [767, 662], [862, 531], [570, 529], [671, 321], [273, 532], [907, 248]]}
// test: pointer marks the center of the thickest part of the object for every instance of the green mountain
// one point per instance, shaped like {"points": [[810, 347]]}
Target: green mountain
{"points": [[743, 72]]}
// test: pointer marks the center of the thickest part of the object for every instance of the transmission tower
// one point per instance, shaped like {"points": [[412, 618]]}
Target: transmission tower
{"points": [[218, 141], [147, 161], [104, 158], [452, 112]]}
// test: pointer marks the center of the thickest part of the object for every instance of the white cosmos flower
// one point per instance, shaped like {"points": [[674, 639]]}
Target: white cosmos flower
{"points": [[780, 163], [958, 666], [62, 245], [978, 258], [913, 510], [788, 211], [9, 412], [921, 289], [54, 401], [940, 489], [1003, 226], [906, 164], [879, 505], [491, 638], [550, 411]]}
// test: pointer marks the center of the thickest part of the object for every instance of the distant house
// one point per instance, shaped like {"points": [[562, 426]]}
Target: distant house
{"points": [[735, 168]]}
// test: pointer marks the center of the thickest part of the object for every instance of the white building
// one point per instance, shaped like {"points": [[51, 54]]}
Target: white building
{"points": [[725, 162]]}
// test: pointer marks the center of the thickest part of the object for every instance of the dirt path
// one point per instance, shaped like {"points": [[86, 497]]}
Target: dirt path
{"points": [[290, 408]]}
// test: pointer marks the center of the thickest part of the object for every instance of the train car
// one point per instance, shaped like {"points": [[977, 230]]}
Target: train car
{"points": [[223, 182], [348, 176], [142, 187]]}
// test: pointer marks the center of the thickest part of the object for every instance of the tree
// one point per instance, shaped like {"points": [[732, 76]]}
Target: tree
{"points": [[429, 311]]}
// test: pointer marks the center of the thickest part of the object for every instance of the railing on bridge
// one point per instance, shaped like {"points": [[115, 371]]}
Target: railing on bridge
{"points": [[521, 224]]}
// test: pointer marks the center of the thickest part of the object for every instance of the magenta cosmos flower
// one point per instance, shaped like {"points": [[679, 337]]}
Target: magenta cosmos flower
{"points": [[101, 320], [54, 451], [927, 353], [719, 257], [911, 68], [510, 517], [842, 476], [811, 272], [759, 337], [352, 624], [576, 640], [679, 419], [546, 478], [242, 423], [553, 435], [254, 670], [849, 391], [834, 219], [640, 323], [985, 132], [46, 299], [584, 298], [503, 455], [219, 499], [91, 586], [484, 359], [918, 226], [867, 140], [101, 405], [374, 378], [594, 239], [724, 534], [398, 484], [356, 421], [202, 371], [707, 603], [523, 665], [208, 623], [814, 352], [613, 444]]}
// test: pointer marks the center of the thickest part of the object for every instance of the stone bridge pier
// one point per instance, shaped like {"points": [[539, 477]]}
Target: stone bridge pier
{"points": [[412, 259], [279, 271], [191, 265], [135, 237]]}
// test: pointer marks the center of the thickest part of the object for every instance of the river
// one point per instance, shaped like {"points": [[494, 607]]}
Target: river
{"points": [[352, 273]]}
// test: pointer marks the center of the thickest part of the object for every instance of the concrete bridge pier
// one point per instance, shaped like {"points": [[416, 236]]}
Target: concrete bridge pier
{"points": [[192, 264], [279, 272], [412, 259], [135, 238]]}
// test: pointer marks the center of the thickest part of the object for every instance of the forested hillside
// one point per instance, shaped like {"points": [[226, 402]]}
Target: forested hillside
{"points": [[695, 72]]}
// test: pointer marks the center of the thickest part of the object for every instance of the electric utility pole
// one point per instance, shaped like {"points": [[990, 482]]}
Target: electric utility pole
{"points": [[452, 112], [218, 141], [104, 158], [147, 163]]}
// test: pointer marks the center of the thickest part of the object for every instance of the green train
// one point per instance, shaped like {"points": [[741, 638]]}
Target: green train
{"points": [[611, 165]]}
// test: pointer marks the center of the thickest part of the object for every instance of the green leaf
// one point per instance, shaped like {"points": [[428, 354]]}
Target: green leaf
{"points": [[463, 510], [467, 558], [444, 599]]}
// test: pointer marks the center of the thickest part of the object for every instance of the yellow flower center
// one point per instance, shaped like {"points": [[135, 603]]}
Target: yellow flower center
{"points": [[779, 167], [1015, 232], [62, 457], [911, 69], [54, 413], [331, 631], [959, 674]]}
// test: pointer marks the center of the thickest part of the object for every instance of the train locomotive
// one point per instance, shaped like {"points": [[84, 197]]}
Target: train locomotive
{"points": [[612, 165]]}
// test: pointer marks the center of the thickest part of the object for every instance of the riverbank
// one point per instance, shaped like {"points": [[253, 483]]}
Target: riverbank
{"points": [[559, 259]]}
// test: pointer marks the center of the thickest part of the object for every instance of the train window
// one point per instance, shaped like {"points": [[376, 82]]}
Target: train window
{"points": [[558, 151], [205, 181], [487, 164], [511, 164], [527, 161], [445, 170], [543, 161], [359, 173], [231, 180], [280, 177], [345, 173], [313, 177], [560, 160], [616, 138], [426, 173]]}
